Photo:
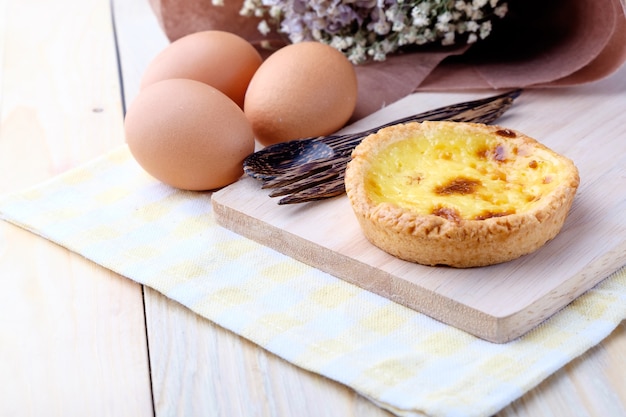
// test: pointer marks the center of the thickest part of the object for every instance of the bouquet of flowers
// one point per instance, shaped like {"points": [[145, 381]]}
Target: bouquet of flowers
{"points": [[402, 46], [371, 29]]}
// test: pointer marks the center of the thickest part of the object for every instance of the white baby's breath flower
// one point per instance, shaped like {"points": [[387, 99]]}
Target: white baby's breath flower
{"points": [[408, 37], [275, 11], [444, 17], [264, 28], [485, 29], [420, 18], [479, 4], [460, 5], [425, 6], [398, 26], [501, 10], [247, 8], [472, 26], [448, 38], [381, 27], [444, 28]]}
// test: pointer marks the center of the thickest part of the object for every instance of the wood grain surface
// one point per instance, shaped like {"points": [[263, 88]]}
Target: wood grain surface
{"points": [[72, 334], [75, 339], [498, 302]]}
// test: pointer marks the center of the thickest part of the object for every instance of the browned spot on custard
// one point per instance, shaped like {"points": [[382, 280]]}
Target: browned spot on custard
{"points": [[490, 214], [506, 133], [482, 153], [414, 179], [498, 176], [533, 164], [498, 153], [447, 213], [458, 185], [547, 180]]}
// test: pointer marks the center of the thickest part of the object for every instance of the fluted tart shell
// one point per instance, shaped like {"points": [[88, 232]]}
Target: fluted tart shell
{"points": [[458, 194]]}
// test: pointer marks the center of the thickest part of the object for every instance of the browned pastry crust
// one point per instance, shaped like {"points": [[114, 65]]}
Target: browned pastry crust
{"points": [[444, 234]]}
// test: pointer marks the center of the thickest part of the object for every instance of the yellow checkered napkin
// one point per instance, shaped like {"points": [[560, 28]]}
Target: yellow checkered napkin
{"points": [[113, 213]]}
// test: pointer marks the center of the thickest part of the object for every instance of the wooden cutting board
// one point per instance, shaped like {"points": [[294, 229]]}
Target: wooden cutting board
{"points": [[497, 303]]}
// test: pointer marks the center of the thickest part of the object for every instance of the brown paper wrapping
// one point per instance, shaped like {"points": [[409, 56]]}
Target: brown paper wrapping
{"points": [[541, 43]]}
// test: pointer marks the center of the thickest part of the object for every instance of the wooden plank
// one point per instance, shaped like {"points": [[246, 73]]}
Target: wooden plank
{"points": [[139, 40], [201, 368], [72, 334], [499, 302]]}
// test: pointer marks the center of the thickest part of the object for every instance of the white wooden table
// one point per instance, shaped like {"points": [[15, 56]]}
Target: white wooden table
{"points": [[77, 339]]}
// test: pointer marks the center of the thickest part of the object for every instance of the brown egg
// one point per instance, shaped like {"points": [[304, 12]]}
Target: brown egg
{"points": [[188, 134], [304, 89], [221, 59]]}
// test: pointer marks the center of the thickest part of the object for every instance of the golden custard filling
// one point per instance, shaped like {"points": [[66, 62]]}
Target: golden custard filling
{"points": [[469, 175]]}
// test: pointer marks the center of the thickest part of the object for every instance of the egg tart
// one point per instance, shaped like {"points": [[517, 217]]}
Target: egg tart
{"points": [[458, 194]]}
